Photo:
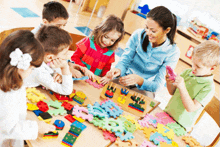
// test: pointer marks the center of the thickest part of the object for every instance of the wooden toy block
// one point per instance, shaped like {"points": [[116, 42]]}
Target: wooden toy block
{"points": [[78, 119], [37, 112], [165, 131], [62, 97], [96, 110], [70, 118], [148, 131], [79, 112], [75, 130], [50, 135], [178, 130], [133, 102], [128, 143], [157, 138], [69, 140], [111, 108], [45, 115], [107, 135], [94, 84], [67, 105], [152, 104], [42, 106], [31, 107], [79, 97], [191, 141], [34, 95], [147, 144], [78, 125], [59, 124]]}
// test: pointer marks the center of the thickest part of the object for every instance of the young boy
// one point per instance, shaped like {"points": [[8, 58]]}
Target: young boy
{"points": [[56, 42], [194, 88], [54, 13]]}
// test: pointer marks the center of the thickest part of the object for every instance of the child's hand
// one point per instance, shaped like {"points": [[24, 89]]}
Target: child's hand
{"points": [[76, 73], [179, 82], [168, 80], [131, 79], [115, 72], [89, 74], [45, 128], [59, 63], [104, 80], [57, 78]]}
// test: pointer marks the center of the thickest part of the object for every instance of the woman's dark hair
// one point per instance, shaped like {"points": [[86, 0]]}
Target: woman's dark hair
{"points": [[165, 19], [111, 22], [10, 79]]}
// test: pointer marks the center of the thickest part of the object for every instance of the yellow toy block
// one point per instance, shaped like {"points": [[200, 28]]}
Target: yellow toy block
{"points": [[147, 132], [164, 144], [31, 107], [34, 95], [165, 131], [79, 119], [45, 120], [81, 94], [121, 100], [72, 95], [174, 144]]}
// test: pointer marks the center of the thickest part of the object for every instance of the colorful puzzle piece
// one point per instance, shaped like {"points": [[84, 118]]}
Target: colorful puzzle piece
{"points": [[148, 120], [157, 138], [177, 129], [70, 118], [107, 135], [59, 109], [132, 119], [147, 144], [191, 141], [111, 108], [98, 122], [31, 107], [148, 131], [129, 143], [34, 95], [78, 112], [164, 118], [114, 125], [129, 126], [165, 131], [164, 144], [96, 110], [127, 135], [94, 84]]}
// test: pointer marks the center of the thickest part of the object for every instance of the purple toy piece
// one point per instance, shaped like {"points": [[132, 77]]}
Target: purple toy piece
{"points": [[171, 73]]}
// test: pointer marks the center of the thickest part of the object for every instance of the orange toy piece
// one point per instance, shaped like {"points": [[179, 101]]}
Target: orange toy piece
{"points": [[129, 143], [147, 131], [164, 144], [34, 95], [191, 141]]}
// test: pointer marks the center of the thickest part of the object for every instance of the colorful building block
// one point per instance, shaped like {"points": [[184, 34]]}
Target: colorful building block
{"points": [[78, 125], [107, 135], [50, 135], [157, 138], [34, 95], [177, 129], [67, 105], [59, 110], [164, 118], [125, 136], [111, 108], [148, 131], [42, 106], [59, 124], [113, 125], [37, 112], [78, 119], [68, 140], [31, 107], [94, 84], [165, 131], [70, 118], [96, 110], [147, 144], [79, 112]]}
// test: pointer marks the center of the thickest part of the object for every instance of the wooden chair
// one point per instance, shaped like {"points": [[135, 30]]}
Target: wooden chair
{"points": [[213, 109], [75, 37]]}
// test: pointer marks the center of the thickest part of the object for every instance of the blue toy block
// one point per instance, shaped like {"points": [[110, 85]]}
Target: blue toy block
{"points": [[83, 78], [37, 112], [78, 125], [59, 123]]}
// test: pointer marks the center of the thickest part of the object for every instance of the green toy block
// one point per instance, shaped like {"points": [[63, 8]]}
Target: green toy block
{"points": [[69, 138], [75, 130], [152, 104]]}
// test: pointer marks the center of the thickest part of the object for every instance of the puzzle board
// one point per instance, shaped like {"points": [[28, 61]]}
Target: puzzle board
{"points": [[128, 100], [86, 102]]}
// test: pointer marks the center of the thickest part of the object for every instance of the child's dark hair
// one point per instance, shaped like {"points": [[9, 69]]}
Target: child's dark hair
{"points": [[53, 10], [27, 43], [53, 39], [165, 19], [111, 22]]}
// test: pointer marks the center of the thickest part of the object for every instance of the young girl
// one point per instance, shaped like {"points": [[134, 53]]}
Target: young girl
{"points": [[20, 52], [97, 51]]}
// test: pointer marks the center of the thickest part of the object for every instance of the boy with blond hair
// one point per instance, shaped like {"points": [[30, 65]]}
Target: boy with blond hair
{"points": [[193, 88]]}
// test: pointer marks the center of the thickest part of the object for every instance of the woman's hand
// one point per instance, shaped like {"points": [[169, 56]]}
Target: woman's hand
{"points": [[115, 72], [131, 79]]}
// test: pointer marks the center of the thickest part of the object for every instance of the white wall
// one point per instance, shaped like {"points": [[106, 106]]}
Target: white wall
{"points": [[208, 11]]}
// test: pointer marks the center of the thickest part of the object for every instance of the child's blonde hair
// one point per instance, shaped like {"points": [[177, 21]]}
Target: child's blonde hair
{"points": [[111, 22], [208, 52], [53, 39]]}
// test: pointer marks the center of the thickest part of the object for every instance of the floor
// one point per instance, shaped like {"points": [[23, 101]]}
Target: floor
{"points": [[11, 19]]}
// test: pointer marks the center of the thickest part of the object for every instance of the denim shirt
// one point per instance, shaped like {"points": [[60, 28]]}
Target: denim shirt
{"points": [[150, 65]]}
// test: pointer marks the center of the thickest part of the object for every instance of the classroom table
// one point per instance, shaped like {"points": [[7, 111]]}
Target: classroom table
{"points": [[92, 136]]}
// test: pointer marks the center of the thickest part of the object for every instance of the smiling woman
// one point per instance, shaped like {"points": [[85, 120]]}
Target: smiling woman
{"points": [[148, 52]]}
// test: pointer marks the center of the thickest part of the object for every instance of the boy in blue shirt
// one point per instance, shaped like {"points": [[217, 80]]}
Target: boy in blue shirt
{"points": [[193, 88]]}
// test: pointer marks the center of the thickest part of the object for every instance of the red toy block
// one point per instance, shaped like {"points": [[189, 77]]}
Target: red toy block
{"points": [[62, 97], [67, 106], [70, 118], [42, 106]]}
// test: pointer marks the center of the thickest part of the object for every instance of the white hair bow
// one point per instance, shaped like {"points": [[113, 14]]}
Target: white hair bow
{"points": [[22, 61]]}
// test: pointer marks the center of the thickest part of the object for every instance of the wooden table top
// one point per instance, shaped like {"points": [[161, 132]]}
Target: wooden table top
{"points": [[92, 136]]}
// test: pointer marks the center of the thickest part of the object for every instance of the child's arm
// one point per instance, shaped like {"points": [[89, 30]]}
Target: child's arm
{"points": [[189, 104], [108, 65], [171, 89]]}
